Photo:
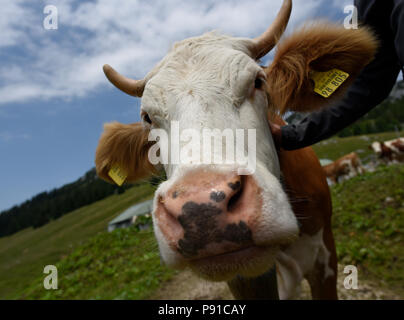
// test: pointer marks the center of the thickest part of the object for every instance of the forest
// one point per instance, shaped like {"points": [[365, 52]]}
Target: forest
{"points": [[386, 117], [51, 205]]}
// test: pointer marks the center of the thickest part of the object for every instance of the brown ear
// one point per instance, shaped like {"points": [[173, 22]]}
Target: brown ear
{"points": [[127, 146], [316, 47]]}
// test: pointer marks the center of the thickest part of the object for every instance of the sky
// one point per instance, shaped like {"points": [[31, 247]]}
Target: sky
{"points": [[54, 97]]}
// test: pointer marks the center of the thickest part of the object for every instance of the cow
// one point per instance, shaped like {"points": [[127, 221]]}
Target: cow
{"points": [[223, 225], [349, 165], [389, 151]]}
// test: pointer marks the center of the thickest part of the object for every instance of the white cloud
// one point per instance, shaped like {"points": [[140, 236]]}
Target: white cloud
{"points": [[14, 19], [130, 35]]}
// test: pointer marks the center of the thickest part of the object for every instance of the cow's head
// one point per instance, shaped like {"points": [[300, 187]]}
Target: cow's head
{"points": [[377, 147], [206, 216]]}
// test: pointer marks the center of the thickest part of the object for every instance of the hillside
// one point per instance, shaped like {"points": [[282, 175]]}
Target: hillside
{"points": [[50, 205], [123, 264], [24, 254]]}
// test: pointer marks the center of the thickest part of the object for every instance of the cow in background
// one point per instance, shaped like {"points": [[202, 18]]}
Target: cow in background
{"points": [[349, 165], [224, 226], [389, 151]]}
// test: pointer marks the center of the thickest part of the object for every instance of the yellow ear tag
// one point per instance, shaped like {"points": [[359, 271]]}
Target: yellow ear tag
{"points": [[326, 83], [117, 174]]}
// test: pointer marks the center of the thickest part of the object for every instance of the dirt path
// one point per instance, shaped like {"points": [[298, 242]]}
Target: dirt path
{"points": [[187, 286]]}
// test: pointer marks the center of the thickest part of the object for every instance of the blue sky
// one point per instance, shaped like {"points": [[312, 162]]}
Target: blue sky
{"points": [[54, 97]]}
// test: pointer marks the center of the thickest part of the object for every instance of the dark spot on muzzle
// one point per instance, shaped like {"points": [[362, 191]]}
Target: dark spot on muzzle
{"points": [[217, 196], [201, 228], [234, 186], [238, 233], [175, 194]]}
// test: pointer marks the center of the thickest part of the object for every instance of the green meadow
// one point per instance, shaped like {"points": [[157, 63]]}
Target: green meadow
{"points": [[23, 255]]}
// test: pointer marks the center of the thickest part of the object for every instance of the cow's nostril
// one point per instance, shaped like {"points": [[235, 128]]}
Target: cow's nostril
{"points": [[233, 202], [170, 216]]}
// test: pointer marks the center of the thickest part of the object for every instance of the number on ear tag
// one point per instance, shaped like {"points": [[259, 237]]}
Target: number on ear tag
{"points": [[326, 83]]}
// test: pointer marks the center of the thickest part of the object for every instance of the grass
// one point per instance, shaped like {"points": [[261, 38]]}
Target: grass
{"points": [[23, 255], [369, 230], [335, 148], [123, 264], [368, 223]]}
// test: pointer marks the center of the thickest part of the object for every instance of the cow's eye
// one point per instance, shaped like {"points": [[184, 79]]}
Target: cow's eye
{"points": [[145, 117], [259, 83]]}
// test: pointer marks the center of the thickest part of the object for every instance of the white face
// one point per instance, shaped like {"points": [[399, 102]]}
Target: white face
{"points": [[377, 148], [210, 82]]}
